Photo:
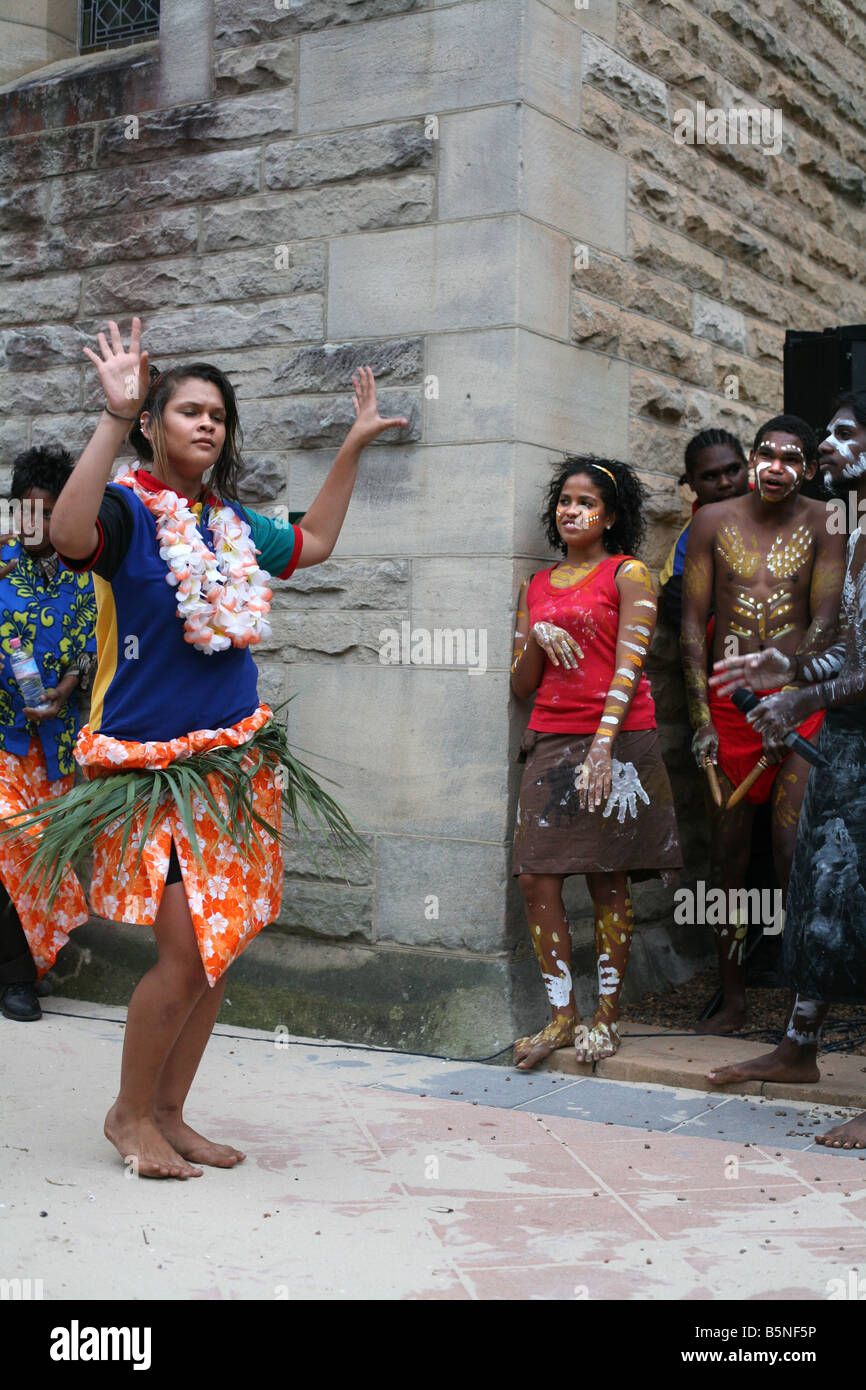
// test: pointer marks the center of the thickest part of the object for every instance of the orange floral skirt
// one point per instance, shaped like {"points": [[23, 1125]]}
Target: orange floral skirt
{"points": [[24, 783], [233, 893]]}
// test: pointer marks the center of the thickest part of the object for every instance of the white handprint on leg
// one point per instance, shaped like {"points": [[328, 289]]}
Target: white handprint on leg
{"points": [[624, 791], [558, 986]]}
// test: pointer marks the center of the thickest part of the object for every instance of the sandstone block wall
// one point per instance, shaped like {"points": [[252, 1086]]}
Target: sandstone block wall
{"points": [[486, 202]]}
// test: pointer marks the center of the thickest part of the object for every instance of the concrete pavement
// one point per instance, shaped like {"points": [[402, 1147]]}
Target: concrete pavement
{"points": [[386, 1176]]}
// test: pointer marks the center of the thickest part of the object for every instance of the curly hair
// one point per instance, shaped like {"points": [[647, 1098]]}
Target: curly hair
{"points": [[790, 424], [224, 476], [47, 466], [624, 495]]}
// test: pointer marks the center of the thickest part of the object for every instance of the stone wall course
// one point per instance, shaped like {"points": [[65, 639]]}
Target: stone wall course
{"points": [[253, 68], [351, 154], [238, 22]]}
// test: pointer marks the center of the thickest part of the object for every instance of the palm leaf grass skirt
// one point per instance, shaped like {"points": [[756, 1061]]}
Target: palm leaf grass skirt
{"points": [[219, 795]]}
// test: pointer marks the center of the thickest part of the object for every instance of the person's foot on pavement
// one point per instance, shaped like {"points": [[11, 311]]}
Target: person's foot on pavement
{"points": [[19, 1003]]}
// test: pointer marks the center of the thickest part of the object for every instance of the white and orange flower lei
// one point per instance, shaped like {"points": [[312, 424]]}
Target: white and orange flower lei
{"points": [[223, 597]]}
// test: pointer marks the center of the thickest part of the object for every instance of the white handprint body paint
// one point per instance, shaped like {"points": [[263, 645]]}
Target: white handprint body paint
{"points": [[558, 986], [608, 976], [625, 789]]}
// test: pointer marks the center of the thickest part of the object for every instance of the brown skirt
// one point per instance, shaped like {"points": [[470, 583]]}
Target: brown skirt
{"points": [[634, 832]]}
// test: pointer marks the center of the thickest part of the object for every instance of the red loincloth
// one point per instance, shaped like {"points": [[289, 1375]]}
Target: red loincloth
{"points": [[740, 744]]}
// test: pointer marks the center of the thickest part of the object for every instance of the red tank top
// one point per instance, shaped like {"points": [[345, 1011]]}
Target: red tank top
{"points": [[572, 702]]}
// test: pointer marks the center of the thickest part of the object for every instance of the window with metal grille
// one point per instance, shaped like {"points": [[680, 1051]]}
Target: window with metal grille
{"points": [[106, 23]]}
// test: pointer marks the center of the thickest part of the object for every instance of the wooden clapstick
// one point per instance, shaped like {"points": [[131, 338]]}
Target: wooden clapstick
{"points": [[760, 766], [712, 778]]}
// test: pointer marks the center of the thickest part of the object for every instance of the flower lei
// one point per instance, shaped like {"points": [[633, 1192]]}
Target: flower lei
{"points": [[223, 596]]}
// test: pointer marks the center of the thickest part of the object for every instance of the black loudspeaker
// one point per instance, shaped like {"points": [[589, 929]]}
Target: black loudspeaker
{"points": [[819, 367]]}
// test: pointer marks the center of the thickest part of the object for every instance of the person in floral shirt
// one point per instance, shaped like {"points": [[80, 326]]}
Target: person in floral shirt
{"points": [[52, 611]]}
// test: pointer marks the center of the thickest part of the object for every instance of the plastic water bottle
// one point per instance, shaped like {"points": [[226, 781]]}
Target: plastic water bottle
{"points": [[26, 673]]}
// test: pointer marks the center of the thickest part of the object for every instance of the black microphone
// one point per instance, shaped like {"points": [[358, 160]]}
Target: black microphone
{"points": [[747, 700]]}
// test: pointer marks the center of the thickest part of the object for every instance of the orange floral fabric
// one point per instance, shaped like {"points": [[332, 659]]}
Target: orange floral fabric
{"points": [[231, 895], [24, 782]]}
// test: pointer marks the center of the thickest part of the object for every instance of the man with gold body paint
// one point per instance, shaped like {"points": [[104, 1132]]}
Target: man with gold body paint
{"points": [[773, 571]]}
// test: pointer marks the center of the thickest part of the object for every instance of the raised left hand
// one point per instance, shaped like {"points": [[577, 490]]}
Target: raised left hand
{"points": [[368, 422]]}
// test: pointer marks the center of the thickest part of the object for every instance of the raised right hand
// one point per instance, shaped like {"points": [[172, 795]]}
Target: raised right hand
{"points": [[758, 671], [124, 374], [558, 645]]}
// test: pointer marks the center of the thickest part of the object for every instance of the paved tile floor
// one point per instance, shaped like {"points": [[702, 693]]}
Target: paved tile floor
{"points": [[379, 1175]]}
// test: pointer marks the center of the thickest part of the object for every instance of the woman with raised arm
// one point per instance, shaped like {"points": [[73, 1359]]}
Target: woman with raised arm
{"points": [[583, 633], [181, 579]]}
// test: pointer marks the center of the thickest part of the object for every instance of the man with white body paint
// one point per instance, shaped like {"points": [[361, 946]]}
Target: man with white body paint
{"points": [[772, 570], [825, 935]]}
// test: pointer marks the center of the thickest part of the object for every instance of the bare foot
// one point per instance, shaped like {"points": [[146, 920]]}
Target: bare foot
{"points": [[780, 1065], [195, 1147], [142, 1140], [602, 1040], [528, 1051], [851, 1135], [730, 1018]]}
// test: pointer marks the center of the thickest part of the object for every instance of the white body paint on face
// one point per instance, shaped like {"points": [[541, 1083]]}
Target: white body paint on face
{"points": [[761, 468], [558, 986], [583, 518]]}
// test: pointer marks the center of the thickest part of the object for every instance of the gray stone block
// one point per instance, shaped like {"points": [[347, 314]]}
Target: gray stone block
{"points": [[54, 391], [234, 275], [323, 367], [572, 399], [279, 217], [349, 584], [239, 22], [50, 297], [603, 67], [719, 322], [130, 236], [544, 262], [72, 431], [313, 637], [312, 855], [350, 154], [444, 893], [434, 61], [551, 62], [479, 161], [199, 126], [226, 174], [471, 386], [43, 346], [45, 154], [99, 86], [23, 208], [404, 499], [573, 182], [201, 330], [424, 745], [297, 422], [263, 478], [256, 67], [327, 910], [422, 279]]}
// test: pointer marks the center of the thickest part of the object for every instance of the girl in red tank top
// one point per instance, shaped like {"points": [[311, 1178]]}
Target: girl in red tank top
{"points": [[595, 797]]}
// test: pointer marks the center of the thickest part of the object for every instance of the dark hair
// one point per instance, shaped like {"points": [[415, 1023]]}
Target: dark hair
{"points": [[626, 497], [708, 439], [790, 424], [47, 466], [224, 477], [855, 401]]}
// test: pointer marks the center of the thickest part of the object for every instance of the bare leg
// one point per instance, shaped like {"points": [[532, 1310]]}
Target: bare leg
{"points": [[176, 1078], [160, 1006], [614, 923], [730, 836], [548, 928], [795, 1059]]}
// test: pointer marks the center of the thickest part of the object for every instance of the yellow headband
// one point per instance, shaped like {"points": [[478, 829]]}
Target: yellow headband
{"points": [[607, 471]]}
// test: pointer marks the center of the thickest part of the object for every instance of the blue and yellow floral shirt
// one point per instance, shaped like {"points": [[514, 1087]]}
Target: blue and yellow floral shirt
{"points": [[53, 611]]}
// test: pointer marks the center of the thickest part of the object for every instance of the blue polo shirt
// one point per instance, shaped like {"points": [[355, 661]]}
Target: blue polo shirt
{"points": [[151, 684]]}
